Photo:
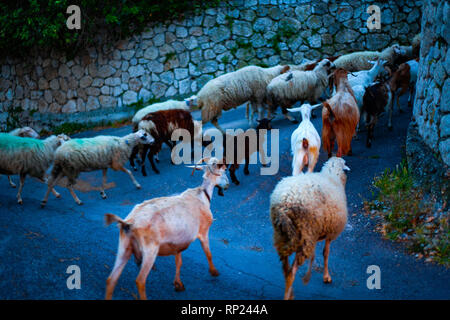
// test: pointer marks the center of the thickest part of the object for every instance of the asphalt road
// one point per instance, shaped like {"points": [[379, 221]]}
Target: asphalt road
{"points": [[37, 245]]}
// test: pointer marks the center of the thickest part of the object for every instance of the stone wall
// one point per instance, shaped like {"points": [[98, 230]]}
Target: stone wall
{"points": [[432, 103], [177, 58]]}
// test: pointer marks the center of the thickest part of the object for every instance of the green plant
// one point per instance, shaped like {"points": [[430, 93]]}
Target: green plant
{"points": [[225, 59], [169, 56], [406, 217], [31, 24], [284, 32], [13, 119]]}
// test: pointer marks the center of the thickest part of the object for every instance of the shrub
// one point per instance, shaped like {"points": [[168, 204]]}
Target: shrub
{"points": [[31, 24], [406, 216]]}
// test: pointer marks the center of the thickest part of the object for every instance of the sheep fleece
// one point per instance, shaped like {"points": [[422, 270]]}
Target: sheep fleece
{"points": [[316, 206]]}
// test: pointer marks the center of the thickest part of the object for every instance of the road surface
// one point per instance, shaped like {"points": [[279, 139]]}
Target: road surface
{"points": [[38, 245]]}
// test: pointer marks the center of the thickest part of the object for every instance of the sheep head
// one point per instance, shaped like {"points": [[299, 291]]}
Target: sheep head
{"points": [[335, 167]]}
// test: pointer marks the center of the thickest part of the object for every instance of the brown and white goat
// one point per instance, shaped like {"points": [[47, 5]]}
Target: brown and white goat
{"points": [[340, 116], [161, 125], [167, 226]]}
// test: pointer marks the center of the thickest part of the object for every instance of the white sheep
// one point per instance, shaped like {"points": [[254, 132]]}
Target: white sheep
{"points": [[187, 104], [28, 156], [288, 88], [360, 60], [22, 132], [89, 154], [305, 141], [305, 209], [235, 88]]}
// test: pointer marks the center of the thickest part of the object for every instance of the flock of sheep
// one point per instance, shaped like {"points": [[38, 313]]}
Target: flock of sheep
{"points": [[304, 208]]}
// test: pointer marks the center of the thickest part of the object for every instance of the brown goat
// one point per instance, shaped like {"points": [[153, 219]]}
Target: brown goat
{"points": [[340, 116], [161, 125]]}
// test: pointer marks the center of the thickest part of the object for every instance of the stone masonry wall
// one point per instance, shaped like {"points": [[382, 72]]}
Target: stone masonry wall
{"points": [[432, 103], [177, 58]]}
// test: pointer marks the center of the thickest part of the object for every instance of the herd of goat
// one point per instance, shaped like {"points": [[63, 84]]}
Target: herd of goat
{"points": [[304, 208]]}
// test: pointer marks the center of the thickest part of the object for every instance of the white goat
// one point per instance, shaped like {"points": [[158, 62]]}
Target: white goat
{"points": [[28, 156], [167, 226], [89, 154], [305, 141], [304, 210]]}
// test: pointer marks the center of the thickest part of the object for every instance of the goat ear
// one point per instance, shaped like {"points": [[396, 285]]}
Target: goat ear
{"points": [[346, 168], [199, 168]]}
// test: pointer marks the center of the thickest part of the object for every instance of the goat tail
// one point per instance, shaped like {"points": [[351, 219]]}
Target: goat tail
{"points": [[111, 218], [328, 107], [305, 143]]}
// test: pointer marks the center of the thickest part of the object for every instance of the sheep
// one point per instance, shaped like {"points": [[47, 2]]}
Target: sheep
{"points": [[375, 101], [360, 60], [235, 88], [340, 116], [239, 141], [167, 226], [304, 210], [28, 156], [294, 86], [89, 154], [305, 141], [22, 132], [161, 125], [310, 65]]}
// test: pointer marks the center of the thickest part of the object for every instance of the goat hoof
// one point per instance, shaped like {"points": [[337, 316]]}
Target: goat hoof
{"points": [[214, 272], [246, 172], [134, 168], [103, 195], [138, 186], [179, 286], [13, 185], [400, 111], [368, 145], [58, 196], [327, 279], [390, 128], [157, 171], [43, 203], [19, 201], [236, 182], [80, 203]]}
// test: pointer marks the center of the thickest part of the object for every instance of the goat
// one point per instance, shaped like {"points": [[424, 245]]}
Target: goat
{"points": [[167, 226], [340, 116], [305, 141]]}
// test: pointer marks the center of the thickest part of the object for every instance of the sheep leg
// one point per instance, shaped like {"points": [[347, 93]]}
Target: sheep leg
{"points": [[55, 193], [204, 240], [123, 255], [148, 259], [11, 183], [122, 168], [177, 282], [51, 184], [216, 124], [22, 181], [307, 276], [326, 252], [74, 195], [289, 280], [102, 191]]}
